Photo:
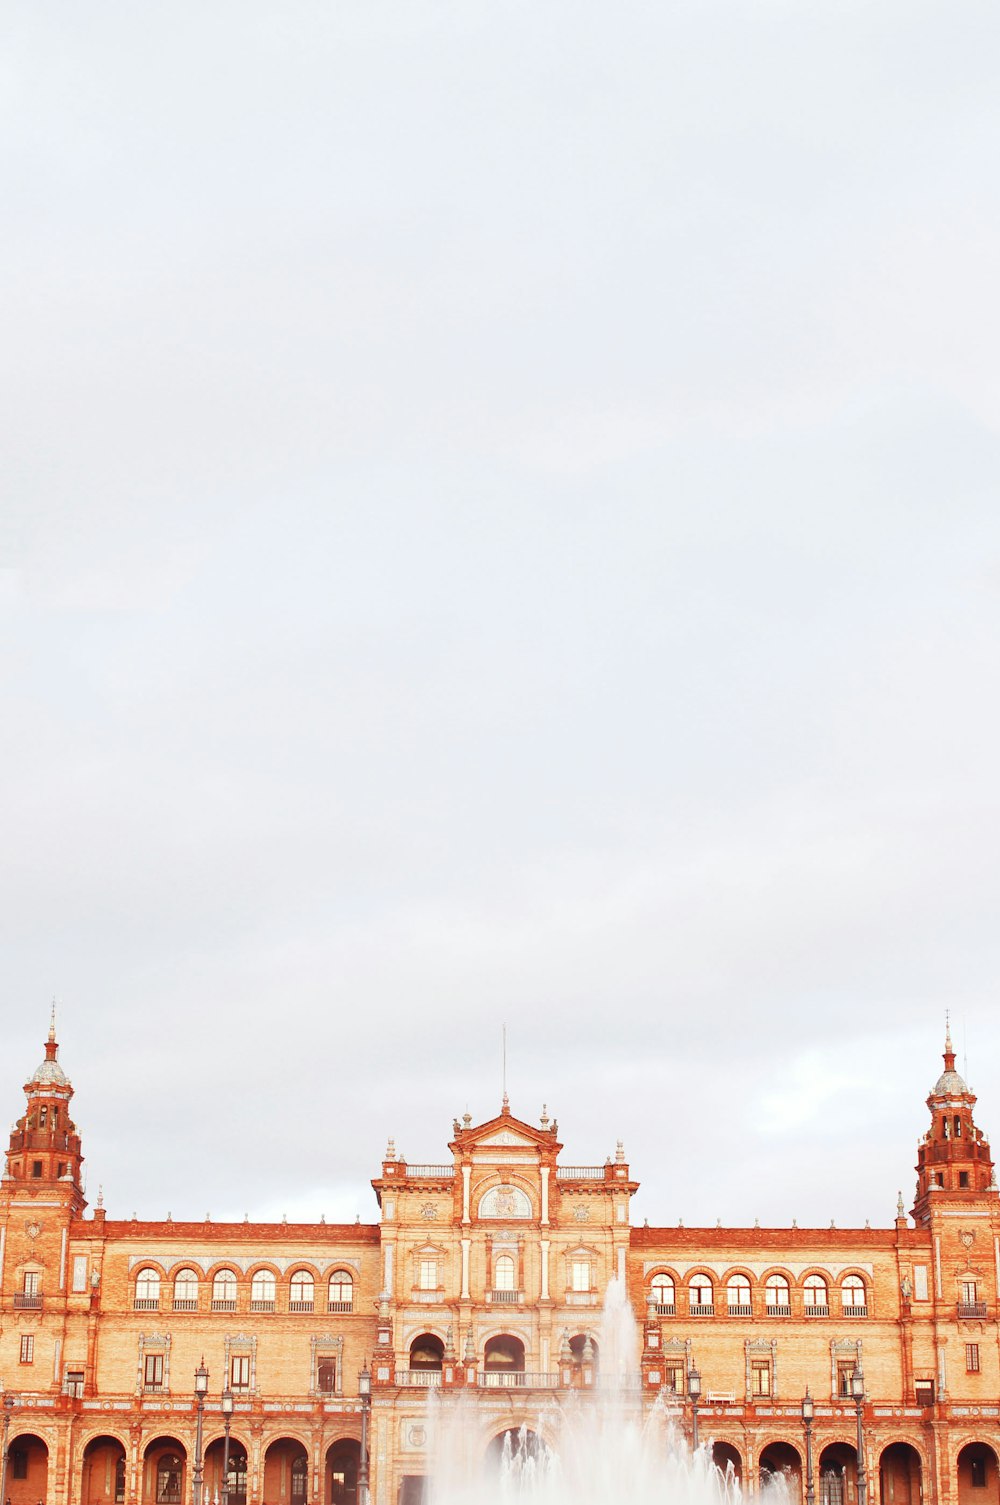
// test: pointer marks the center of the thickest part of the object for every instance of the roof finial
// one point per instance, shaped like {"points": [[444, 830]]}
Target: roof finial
{"points": [[506, 1099], [949, 1049], [52, 1022]]}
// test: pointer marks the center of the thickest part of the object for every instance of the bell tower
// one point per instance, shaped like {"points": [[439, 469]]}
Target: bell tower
{"points": [[953, 1158], [44, 1151]]}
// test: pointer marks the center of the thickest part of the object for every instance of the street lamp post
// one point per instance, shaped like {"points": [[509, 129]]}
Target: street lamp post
{"points": [[8, 1406], [694, 1390], [858, 1392], [365, 1392], [227, 1417], [808, 1412], [200, 1391]]}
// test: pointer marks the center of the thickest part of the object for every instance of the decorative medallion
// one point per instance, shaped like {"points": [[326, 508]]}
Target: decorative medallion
{"points": [[417, 1437], [505, 1202], [968, 1237], [33, 1230], [428, 1211], [581, 1213]]}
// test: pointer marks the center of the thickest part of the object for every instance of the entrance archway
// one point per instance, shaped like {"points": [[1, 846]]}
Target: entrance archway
{"points": [[838, 1474], [518, 1455], [784, 1459], [164, 1472], [102, 1474], [27, 1469], [343, 1461], [727, 1460], [899, 1475], [214, 1458], [978, 1478], [427, 1354], [286, 1471]]}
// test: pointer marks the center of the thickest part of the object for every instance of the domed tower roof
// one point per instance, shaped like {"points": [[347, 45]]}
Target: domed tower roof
{"points": [[949, 1083], [49, 1073]]}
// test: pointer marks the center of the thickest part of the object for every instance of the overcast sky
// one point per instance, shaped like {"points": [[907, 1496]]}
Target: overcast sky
{"points": [[500, 523]]}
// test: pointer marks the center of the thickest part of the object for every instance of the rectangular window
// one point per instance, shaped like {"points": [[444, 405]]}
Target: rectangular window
{"points": [[36, 1168], [27, 1348], [978, 1471], [963, 1178], [924, 1392], [920, 1282], [428, 1275], [580, 1275], [79, 1272], [326, 1373], [32, 1280], [240, 1371], [972, 1358], [760, 1377], [18, 1463], [673, 1378], [152, 1377], [969, 1291], [73, 1382], [845, 1370]]}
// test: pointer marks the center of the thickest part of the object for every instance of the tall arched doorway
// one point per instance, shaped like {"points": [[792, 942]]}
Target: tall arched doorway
{"points": [[978, 1477], [784, 1459], [286, 1471], [214, 1459], [727, 1460], [426, 1354], [27, 1469], [342, 1462], [102, 1475], [164, 1472], [899, 1475], [503, 1360], [838, 1474]]}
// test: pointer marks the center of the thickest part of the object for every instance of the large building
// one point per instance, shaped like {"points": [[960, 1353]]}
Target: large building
{"points": [[486, 1275]]}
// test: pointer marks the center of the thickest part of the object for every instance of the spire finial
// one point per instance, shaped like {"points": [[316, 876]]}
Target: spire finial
{"points": [[52, 1023], [949, 1049]]}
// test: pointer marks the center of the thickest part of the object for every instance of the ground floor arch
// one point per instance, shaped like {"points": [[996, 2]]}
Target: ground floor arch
{"points": [[978, 1475], [900, 1475], [27, 1469], [286, 1472], [215, 1457], [102, 1472], [783, 1459], [838, 1474], [343, 1464], [728, 1459], [518, 1453], [164, 1472]]}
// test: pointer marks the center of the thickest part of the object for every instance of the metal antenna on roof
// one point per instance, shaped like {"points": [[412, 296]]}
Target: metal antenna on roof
{"points": [[506, 1100]]}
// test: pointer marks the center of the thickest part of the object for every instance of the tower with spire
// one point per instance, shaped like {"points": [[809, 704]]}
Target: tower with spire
{"points": [[954, 1165], [44, 1153]]}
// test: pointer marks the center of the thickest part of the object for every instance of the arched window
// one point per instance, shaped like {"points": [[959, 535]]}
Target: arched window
{"points": [[663, 1293], [262, 1289], [817, 1294], [738, 1298], [700, 1297], [503, 1273], [341, 1296], [427, 1353], [778, 1296], [853, 1297], [224, 1291], [168, 1479], [185, 1291], [302, 1292], [147, 1290]]}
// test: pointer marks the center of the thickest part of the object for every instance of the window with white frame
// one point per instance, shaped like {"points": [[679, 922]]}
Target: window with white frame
{"points": [[27, 1348], [427, 1274], [817, 1293], [700, 1291], [302, 1292], [262, 1288], [852, 1293], [580, 1274], [662, 1290], [738, 1293], [224, 1291], [504, 1273], [341, 1291], [147, 1289], [778, 1295], [760, 1377], [185, 1291]]}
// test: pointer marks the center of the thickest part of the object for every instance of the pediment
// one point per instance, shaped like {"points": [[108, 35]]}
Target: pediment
{"points": [[505, 1132], [507, 1139]]}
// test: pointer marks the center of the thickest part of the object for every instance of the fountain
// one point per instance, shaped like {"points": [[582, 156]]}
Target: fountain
{"points": [[595, 1447]]}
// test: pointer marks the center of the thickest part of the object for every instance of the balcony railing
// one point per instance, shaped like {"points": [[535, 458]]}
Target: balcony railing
{"points": [[259, 1304], [505, 1298], [702, 1309], [431, 1172], [223, 1304], [779, 1310], [581, 1298], [579, 1172], [301, 1306], [28, 1301], [418, 1378], [971, 1309], [340, 1306], [855, 1311], [146, 1304], [816, 1311], [185, 1303], [664, 1308], [740, 1309], [518, 1379]]}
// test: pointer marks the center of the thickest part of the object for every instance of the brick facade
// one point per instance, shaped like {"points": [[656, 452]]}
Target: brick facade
{"points": [[487, 1274]]}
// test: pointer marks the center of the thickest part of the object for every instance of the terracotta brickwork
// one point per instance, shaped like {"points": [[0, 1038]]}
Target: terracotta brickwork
{"points": [[487, 1274]]}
